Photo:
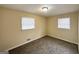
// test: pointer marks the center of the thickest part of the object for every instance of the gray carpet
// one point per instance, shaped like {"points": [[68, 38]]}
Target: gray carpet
{"points": [[46, 45]]}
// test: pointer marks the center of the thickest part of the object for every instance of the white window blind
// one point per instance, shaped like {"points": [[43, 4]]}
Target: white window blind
{"points": [[28, 23], [64, 23]]}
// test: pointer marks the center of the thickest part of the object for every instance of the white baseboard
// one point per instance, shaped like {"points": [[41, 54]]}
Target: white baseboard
{"points": [[62, 39], [24, 43]]}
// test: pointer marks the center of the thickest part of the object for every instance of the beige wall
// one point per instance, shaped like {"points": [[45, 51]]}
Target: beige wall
{"points": [[67, 35], [0, 28], [78, 31], [10, 28]]}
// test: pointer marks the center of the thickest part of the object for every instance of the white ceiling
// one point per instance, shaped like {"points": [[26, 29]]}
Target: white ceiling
{"points": [[53, 9]]}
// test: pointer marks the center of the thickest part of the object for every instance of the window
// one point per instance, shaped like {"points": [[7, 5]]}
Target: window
{"points": [[64, 23], [28, 23]]}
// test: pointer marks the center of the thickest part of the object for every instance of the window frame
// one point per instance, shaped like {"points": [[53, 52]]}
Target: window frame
{"points": [[22, 23], [69, 24]]}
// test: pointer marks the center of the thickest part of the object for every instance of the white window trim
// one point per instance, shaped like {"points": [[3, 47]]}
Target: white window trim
{"points": [[62, 27], [29, 27]]}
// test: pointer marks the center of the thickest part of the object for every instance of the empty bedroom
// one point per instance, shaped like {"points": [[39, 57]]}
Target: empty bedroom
{"points": [[39, 28]]}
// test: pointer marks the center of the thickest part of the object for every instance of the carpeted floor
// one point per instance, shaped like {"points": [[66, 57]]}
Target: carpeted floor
{"points": [[46, 45]]}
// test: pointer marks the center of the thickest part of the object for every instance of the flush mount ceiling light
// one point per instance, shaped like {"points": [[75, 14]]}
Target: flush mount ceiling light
{"points": [[44, 9]]}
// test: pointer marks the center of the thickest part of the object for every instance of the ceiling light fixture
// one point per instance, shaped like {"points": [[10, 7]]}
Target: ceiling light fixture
{"points": [[44, 9]]}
